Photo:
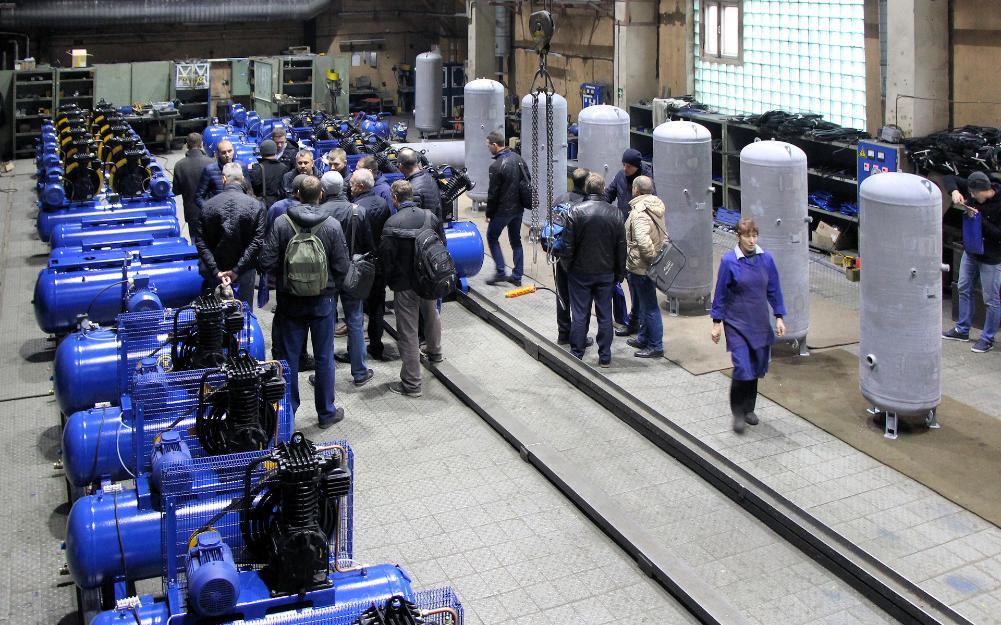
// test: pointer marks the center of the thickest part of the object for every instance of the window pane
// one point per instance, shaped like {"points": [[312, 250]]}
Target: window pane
{"points": [[712, 26], [731, 31]]}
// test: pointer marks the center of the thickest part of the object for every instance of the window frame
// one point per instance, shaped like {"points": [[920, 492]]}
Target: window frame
{"points": [[719, 6]]}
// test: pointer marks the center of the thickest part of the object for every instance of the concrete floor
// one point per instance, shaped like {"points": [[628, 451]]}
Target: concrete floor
{"points": [[443, 495]]}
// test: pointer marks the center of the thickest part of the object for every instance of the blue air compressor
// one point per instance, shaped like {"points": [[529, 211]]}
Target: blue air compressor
{"points": [[107, 205], [239, 406], [103, 283], [282, 562], [203, 491], [95, 365]]}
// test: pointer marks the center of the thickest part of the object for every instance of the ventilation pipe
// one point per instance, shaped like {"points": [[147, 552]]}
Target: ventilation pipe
{"points": [[72, 13]]}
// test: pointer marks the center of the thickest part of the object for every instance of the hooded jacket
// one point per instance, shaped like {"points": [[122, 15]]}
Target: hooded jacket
{"points": [[266, 179], [645, 232], [272, 259]]}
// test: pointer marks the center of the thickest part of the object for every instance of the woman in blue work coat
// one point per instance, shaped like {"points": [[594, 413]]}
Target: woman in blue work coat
{"points": [[747, 283]]}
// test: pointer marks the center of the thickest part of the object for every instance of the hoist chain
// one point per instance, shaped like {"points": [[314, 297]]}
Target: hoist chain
{"points": [[543, 27]]}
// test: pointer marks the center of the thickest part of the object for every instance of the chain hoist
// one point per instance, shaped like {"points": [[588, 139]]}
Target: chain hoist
{"points": [[542, 27]]}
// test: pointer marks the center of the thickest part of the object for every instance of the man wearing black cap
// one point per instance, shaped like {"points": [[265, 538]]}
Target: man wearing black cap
{"points": [[266, 175], [619, 193], [980, 198]]}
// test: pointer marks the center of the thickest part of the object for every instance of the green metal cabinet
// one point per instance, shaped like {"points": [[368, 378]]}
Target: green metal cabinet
{"points": [[122, 84], [239, 83]]}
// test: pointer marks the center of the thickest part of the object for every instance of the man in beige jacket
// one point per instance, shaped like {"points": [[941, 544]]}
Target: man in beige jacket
{"points": [[645, 236]]}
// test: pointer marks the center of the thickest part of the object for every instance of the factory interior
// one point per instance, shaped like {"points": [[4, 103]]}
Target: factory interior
{"points": [[747, 380]]}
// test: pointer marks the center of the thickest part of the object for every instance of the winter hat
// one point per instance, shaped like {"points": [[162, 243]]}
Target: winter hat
{"points": [[978, 181], [632, 157], [268, 148], [332, 183]]}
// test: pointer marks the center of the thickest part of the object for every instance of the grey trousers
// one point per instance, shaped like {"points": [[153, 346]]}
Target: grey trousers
{"points": [[409, 308]]}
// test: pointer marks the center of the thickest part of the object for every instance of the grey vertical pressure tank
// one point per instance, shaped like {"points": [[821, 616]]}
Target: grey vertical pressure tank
{"points": [[558, 142], [683, 169], [603, 132], [900, 346], [427, 91], [773, 193], [483, 106]]}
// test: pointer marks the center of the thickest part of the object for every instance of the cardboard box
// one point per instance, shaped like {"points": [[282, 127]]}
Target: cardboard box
{"points": [[853, 275], [825, 237]]}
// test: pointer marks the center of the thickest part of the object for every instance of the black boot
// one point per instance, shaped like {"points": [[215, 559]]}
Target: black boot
{"points": [[737, 394], [750, 399]]}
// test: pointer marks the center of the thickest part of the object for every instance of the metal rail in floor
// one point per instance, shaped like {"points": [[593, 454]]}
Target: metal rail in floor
{"points": [[897, 596]]}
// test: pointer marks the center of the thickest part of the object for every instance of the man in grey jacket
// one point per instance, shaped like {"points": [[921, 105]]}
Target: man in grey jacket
{"points": [[228, 234], [297, 315]]}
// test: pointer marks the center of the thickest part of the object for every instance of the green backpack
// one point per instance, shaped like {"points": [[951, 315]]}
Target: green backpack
{"points": [[305, 261]]}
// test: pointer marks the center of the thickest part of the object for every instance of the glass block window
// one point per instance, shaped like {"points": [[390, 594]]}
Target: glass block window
{"points": [[804, 56]]}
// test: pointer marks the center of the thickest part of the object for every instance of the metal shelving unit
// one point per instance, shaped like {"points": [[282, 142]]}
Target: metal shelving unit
{"points": [[193, 95], [33, 94]]}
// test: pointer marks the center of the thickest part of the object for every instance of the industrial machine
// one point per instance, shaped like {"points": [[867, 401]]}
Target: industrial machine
{"points": [[274, 553], [105, 282], [235, 407], [95, 364], [97, 230]]}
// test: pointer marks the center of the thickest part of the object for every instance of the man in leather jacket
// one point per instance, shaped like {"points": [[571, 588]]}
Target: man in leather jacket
{"points": [[425, 187], [594, 254], [504, 208]]}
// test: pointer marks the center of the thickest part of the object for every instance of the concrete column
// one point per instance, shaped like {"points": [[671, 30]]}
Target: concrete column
{"points": [[481, 61], [635, 65], [917, 65]]}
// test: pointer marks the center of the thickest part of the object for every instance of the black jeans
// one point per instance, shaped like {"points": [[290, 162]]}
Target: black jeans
{"points": [[376, 307], [562, 302], [587, 289]]}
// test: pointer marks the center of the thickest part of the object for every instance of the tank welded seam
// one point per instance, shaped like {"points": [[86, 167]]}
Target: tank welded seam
{"points": [[898, 596]]}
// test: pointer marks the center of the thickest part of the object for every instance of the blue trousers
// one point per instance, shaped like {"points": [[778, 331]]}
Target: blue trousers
{"points": [[587, 289], [990, 285], [511, 221], [354, 318], [291, 332], [651, 324]]}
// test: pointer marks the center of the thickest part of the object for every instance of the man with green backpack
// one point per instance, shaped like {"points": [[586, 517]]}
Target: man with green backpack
{"points": [[307, 253]]}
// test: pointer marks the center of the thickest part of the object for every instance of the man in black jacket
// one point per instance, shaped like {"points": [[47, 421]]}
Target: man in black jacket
{"points": [[266, 176], [297, 315], [425, 187], [376, 212], [504, 208], [570, 198], [303, 165], [210, 183], [594, 255], [187, 174], [228, 235], [396, 256], [359, 238], [979, 196], [286, 148]]}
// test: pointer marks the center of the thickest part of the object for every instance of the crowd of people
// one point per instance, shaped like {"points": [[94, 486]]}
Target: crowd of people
{"points": [[302, 227], [614, 232]]}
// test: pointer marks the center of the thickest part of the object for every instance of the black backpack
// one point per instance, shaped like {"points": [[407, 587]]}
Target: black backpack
{"points": [[434, 269]]}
